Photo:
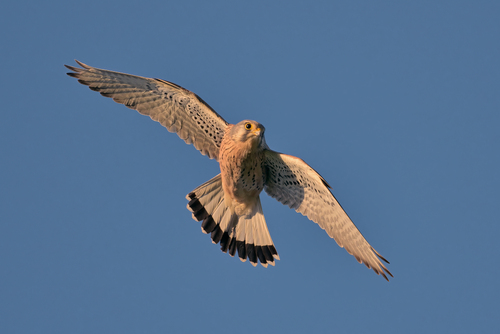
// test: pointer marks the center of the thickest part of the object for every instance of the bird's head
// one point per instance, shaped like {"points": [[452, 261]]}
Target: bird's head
{"points": [[249, 132]]}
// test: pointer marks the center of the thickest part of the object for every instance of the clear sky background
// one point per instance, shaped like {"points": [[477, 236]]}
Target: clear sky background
{"points": [[395, 103]]}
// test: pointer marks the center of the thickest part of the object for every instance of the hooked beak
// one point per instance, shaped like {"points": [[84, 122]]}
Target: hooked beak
{"points": [[258, 131]]}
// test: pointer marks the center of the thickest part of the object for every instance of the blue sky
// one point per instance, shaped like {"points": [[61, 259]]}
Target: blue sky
{"points": [[395, 103]]}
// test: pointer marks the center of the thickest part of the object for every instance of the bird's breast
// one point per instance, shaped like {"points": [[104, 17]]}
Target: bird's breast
{"points": [[242, 172]]}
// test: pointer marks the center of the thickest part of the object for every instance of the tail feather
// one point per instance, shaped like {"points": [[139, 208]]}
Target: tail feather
{"points": [[247, 235]]}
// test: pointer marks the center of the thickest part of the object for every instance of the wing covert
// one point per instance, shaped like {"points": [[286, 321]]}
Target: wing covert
{"points": [[296, 184], [178, 109]]}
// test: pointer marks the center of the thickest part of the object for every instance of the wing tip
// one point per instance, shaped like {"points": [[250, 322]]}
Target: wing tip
{"points": [[77, 70], [85, 66], [377, 266], [381, 272]]}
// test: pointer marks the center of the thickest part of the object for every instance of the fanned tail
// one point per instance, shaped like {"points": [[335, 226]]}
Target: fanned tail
{"points": [[246, 234]]}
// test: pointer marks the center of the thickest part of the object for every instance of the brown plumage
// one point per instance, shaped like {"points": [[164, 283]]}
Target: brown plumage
{"points": [[229, 205]]}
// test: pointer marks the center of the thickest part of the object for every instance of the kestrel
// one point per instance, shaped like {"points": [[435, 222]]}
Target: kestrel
{"points": [[228, 205]]}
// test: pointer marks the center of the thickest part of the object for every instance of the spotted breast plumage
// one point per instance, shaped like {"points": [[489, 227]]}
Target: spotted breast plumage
{"points": [[229, 204]]}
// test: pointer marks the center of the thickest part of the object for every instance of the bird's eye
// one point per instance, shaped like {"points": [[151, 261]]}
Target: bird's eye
{"points": [[248, 126]]}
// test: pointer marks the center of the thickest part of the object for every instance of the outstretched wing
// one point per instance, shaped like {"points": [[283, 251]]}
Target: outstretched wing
{"points": [[294, 183], [176, 108]]}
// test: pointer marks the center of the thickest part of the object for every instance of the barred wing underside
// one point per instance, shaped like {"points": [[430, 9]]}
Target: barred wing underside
{"points": [[178, 109], [294, 183]]}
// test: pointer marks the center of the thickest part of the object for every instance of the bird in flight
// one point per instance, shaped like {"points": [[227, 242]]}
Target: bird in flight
{"points": [[229, 205]]}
